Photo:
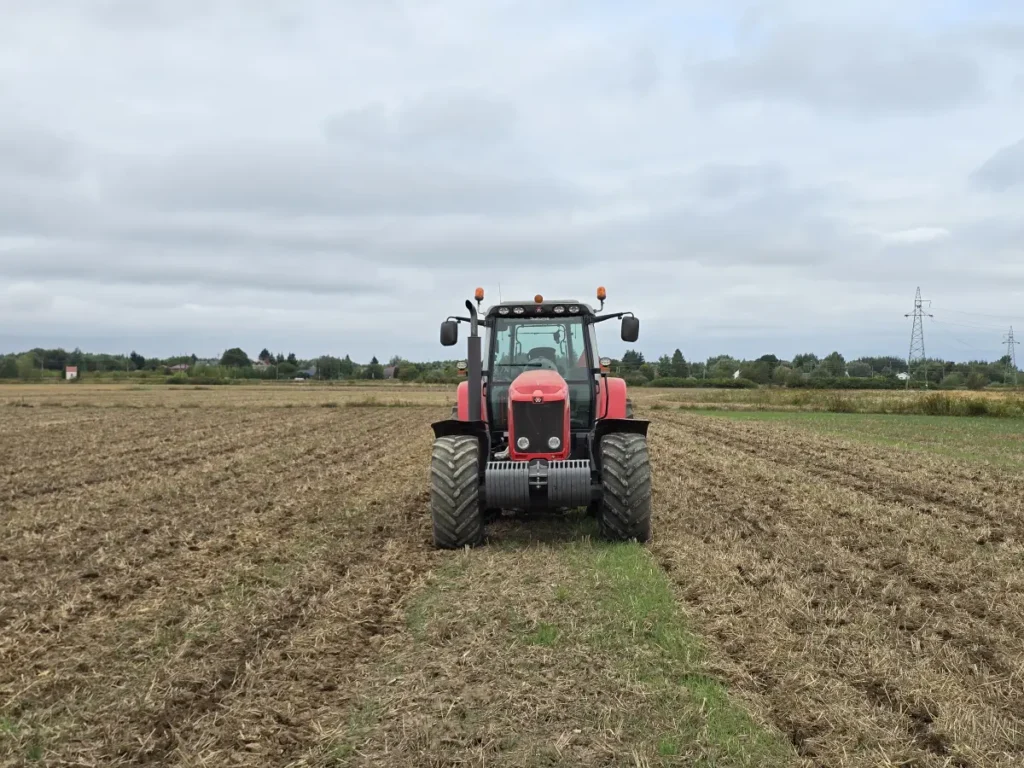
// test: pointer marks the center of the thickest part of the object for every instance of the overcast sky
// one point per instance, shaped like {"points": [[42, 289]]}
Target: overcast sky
{"points": [[336, 176]]}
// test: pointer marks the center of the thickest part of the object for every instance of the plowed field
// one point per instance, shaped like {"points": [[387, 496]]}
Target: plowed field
{"points": [[210, 578]]}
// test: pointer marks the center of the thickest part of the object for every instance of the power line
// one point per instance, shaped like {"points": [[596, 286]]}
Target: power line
{"points": [[1011, 352], [967, 325], [917, 339], [977, 314]]}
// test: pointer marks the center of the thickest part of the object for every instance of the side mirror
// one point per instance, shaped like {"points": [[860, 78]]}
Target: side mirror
{"points": [[449, 333], [630, 328]]}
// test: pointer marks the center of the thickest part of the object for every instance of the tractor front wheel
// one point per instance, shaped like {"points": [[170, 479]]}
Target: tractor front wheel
{"points": [[625, 510], [455, 492]]}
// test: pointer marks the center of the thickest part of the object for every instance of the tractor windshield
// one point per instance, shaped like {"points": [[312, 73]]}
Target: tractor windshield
{"points": [[522, 344], [558, 344]]}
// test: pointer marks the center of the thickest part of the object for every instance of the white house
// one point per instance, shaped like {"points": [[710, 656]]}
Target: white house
{"points": [[71, 372]]}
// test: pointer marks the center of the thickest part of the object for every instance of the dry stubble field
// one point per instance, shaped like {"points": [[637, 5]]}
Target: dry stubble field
{"points": [[243, 576]]}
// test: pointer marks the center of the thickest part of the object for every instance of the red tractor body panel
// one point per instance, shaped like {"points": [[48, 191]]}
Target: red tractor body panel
{"points": [[611, 398], [538, 387], [462, 398]]}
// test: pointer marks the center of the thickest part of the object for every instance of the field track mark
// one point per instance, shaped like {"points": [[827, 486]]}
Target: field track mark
{"points": [[934, 486], [113, 591], [190, 694], [816, 591]]}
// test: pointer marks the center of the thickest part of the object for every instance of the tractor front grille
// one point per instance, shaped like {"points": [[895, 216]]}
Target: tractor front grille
{"points": [[538, 422]]}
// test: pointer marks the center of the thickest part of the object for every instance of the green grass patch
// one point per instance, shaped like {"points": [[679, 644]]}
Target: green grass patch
{"points": [[346, 745], [1006, 405], [546, 596], [636, 619], [543, 634], [996, 441]]}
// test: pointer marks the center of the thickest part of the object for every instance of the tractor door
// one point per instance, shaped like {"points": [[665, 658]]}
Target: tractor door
{"points": [[579, 378]]}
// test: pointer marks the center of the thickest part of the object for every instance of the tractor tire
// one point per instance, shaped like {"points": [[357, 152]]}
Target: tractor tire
{"points": [[455, 492], [625, 510]]}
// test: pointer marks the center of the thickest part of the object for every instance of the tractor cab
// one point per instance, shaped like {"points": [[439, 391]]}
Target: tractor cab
{"points": [[540, 408], [553, 344]]}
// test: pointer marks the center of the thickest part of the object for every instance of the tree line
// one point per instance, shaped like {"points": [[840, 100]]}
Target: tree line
{"points": [[802, 370], [234, 363], [808, 369]]}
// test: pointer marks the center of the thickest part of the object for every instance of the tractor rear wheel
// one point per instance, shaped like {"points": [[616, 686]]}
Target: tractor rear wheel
{"points": [[455, 492], [625, 510]]}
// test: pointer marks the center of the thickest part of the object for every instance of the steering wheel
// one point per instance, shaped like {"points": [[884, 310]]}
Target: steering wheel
{"points": [[542, 362]]}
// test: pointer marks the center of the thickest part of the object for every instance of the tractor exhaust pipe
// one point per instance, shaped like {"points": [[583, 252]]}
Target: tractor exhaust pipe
{"points": [[474, 363]]}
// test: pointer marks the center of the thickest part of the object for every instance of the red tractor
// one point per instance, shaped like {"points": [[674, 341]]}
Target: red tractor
{"points": [[539, 424]]}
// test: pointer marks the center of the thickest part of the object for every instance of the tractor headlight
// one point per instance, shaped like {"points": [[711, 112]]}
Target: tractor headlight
{"points": [[554, 443], [559, 310], [574, 309], [519, 310], [523, 443], [503, 311]]}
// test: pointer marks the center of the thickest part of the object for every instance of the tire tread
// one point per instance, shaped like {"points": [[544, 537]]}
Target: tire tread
{"points": [[625, 511], [455, 492]]}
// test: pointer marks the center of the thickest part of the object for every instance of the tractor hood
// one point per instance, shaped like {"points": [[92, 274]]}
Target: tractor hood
{"points": [[539, 386]]}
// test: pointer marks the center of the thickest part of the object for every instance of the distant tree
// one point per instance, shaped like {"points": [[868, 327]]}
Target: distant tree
{"points": [[8, 367], [835, 365], [759, 372], [137, 360], [647, 371], [665, 366], [28, 367], [860, 369], [698, 370], [680, 368], [781, 374], [279, 358], [820, 372], [347, 367], [374, 370], [329, 367], [806, 362], [235, 358], [955, 380], [265, 356], [408, 371], [977, 380], [291, 359], [794, 379], [771, 360], [286, 369], [632, 360], [723, 367]]}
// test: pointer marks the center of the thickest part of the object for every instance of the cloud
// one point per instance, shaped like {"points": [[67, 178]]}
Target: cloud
{"points": [[861, 69], [304, 179], [916, 235], [453, 120], [748, 178], [34, 151], [1005, 169]]}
